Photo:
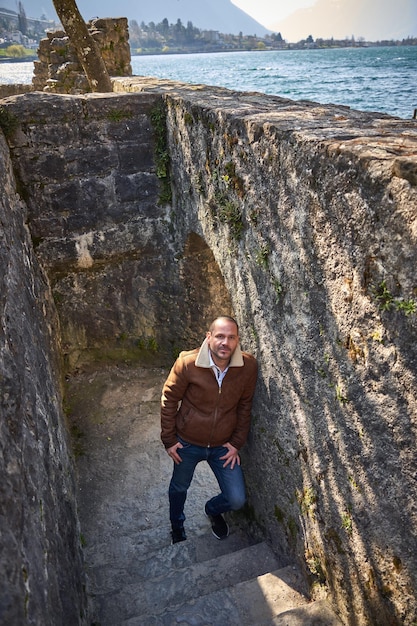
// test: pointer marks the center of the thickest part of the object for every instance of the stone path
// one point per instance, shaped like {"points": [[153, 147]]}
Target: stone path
{"points": [[135, 576]]}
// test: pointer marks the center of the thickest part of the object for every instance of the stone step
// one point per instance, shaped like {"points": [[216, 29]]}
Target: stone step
{"points": [[144, 598], [313, 614], [253, 602], [152, 556]]}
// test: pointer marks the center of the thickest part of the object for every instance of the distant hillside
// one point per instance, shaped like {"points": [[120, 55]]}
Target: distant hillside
{"points": [[373, 20], [220, 15]]}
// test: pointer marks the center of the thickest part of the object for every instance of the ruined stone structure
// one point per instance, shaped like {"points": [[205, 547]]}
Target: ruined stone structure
{"points": [[58, 69], [138, 217], [13, 90]]}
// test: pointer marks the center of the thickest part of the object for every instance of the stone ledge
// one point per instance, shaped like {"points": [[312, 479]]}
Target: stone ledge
{"points": [[368, 134]]}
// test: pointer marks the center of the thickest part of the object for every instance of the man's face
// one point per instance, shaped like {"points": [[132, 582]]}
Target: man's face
{"points": [[222, 341]]}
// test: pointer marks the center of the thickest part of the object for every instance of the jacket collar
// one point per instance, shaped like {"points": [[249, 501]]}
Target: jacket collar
{"points": [[203, 358]]}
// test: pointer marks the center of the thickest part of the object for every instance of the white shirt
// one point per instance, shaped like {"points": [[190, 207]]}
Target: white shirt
{"points": [[217, 371]]}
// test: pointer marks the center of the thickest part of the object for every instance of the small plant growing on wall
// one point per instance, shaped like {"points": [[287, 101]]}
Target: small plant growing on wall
{"points": [[315, 566], [307, 499], [234, 180], [225, 206], [387, 301], [227, 212], [162, 159], [383, 296], [406, 306], [262, 255], [147, 343], [117, 115], [230, 214], [341, 395], [278, 289], [8, 122], [254, 215], [347, 522]]}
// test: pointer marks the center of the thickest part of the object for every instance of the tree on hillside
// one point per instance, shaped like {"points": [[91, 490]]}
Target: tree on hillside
{"points": [[179, 31], [190, 32], [22, 20], [85, 47], [165, 27]]}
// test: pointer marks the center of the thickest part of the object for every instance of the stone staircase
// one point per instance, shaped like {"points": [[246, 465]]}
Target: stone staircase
{"points": [[135, 576], [226, 585]]}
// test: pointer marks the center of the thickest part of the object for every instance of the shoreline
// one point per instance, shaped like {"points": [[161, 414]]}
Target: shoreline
{"points": [[21, 60], [219, 50]]}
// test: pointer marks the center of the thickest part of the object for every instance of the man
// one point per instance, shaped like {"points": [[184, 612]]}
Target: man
{"points": [[205, 415]]}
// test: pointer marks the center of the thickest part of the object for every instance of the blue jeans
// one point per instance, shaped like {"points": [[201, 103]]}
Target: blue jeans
{"points": [[231, 483]]}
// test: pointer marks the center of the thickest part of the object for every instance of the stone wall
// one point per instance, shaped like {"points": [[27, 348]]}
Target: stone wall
{"points": [[299, 218], [40, 557], [311, 214], [58, 69], [95, 188], [13, 90]]}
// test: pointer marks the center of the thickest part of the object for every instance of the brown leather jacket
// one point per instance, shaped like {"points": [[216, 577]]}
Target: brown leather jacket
{"points": [[194, 408]]}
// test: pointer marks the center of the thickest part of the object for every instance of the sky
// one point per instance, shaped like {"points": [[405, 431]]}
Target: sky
{"points": [[371, 20], [268, 12]]}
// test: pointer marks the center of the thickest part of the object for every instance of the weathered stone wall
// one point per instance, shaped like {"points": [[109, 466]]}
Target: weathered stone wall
{"points": [[311, 214], [301, 219], [13, 90], [40, 558], [95, 187], [59, 70]]}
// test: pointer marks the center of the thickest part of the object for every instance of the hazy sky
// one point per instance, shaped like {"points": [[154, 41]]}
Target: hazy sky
{"points": [[371, 19], [294, 19], [268, 12]]}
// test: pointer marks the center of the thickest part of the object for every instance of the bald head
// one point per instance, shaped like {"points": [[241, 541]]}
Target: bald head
{"points": [[222, 319]]}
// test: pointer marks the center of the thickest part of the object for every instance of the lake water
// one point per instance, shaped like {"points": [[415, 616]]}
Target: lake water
{"points": [[369, 79]]}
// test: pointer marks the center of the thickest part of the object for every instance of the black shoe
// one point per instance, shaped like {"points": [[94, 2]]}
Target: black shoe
{"points": [[219, 527], [178, 534]]}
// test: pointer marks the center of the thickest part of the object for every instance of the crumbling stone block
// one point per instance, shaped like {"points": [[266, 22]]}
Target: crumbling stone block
{"points": [[59, 70]]}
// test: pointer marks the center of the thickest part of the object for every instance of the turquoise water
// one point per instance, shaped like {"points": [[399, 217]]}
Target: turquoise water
{"points": [[16, 73], [368, 79]]}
